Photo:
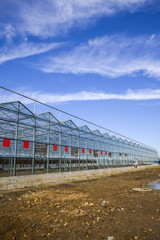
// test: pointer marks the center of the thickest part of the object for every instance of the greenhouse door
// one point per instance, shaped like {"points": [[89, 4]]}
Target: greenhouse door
{"points": [[41, 155]]}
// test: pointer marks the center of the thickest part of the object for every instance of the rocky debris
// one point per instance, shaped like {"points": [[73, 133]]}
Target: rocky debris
{"points": [[112, 209], [28, 203], [65, 224], [111, 238], [88, 204], [42, 195], [142, 189], [91, 204], [98, 219], [103, 204], [79, 212]]}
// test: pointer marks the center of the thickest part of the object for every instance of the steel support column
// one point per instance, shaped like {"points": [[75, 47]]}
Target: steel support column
{"points": [[16, 138], [48, 145], [34, 139]]}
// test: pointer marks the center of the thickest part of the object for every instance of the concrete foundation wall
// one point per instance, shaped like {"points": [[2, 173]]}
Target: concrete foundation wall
{"points": [[7, 183]]}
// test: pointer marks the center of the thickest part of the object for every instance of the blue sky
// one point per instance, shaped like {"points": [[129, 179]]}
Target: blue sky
{"points": [[99, 60]]}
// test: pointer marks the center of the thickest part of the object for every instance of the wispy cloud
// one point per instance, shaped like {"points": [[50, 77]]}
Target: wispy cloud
{"points": [[111, 56], [132, 95], [25, 49], [8, 31], [47, 18]]}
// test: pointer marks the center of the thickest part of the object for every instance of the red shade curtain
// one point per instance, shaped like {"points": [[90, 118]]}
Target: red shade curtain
{"points": [[6, 142], [25, 144], [54, 147], [66, 149]]}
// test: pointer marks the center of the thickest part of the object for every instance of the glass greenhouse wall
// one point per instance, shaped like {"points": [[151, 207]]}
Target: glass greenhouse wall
{"points": [[38, 143]]}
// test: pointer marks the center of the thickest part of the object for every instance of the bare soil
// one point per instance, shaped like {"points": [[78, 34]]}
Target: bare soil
{"points": [[105, 208]]}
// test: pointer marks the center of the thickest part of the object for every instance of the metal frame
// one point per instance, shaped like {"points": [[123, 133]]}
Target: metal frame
{"points": [[61, 146]]}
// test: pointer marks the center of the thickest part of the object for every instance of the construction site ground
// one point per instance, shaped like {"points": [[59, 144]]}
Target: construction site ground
{"points": [[103, 208]]}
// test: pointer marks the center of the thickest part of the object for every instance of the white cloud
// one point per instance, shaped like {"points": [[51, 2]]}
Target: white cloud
{"points": [[25, 49], [51, 17], [9, 32], [134, 95], [111, 56]]}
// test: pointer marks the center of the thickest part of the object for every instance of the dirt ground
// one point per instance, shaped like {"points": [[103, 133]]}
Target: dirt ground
{"points": [[105, 208]]}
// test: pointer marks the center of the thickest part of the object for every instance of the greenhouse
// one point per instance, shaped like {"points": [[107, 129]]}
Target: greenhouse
{"points": [[37, 143]]}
